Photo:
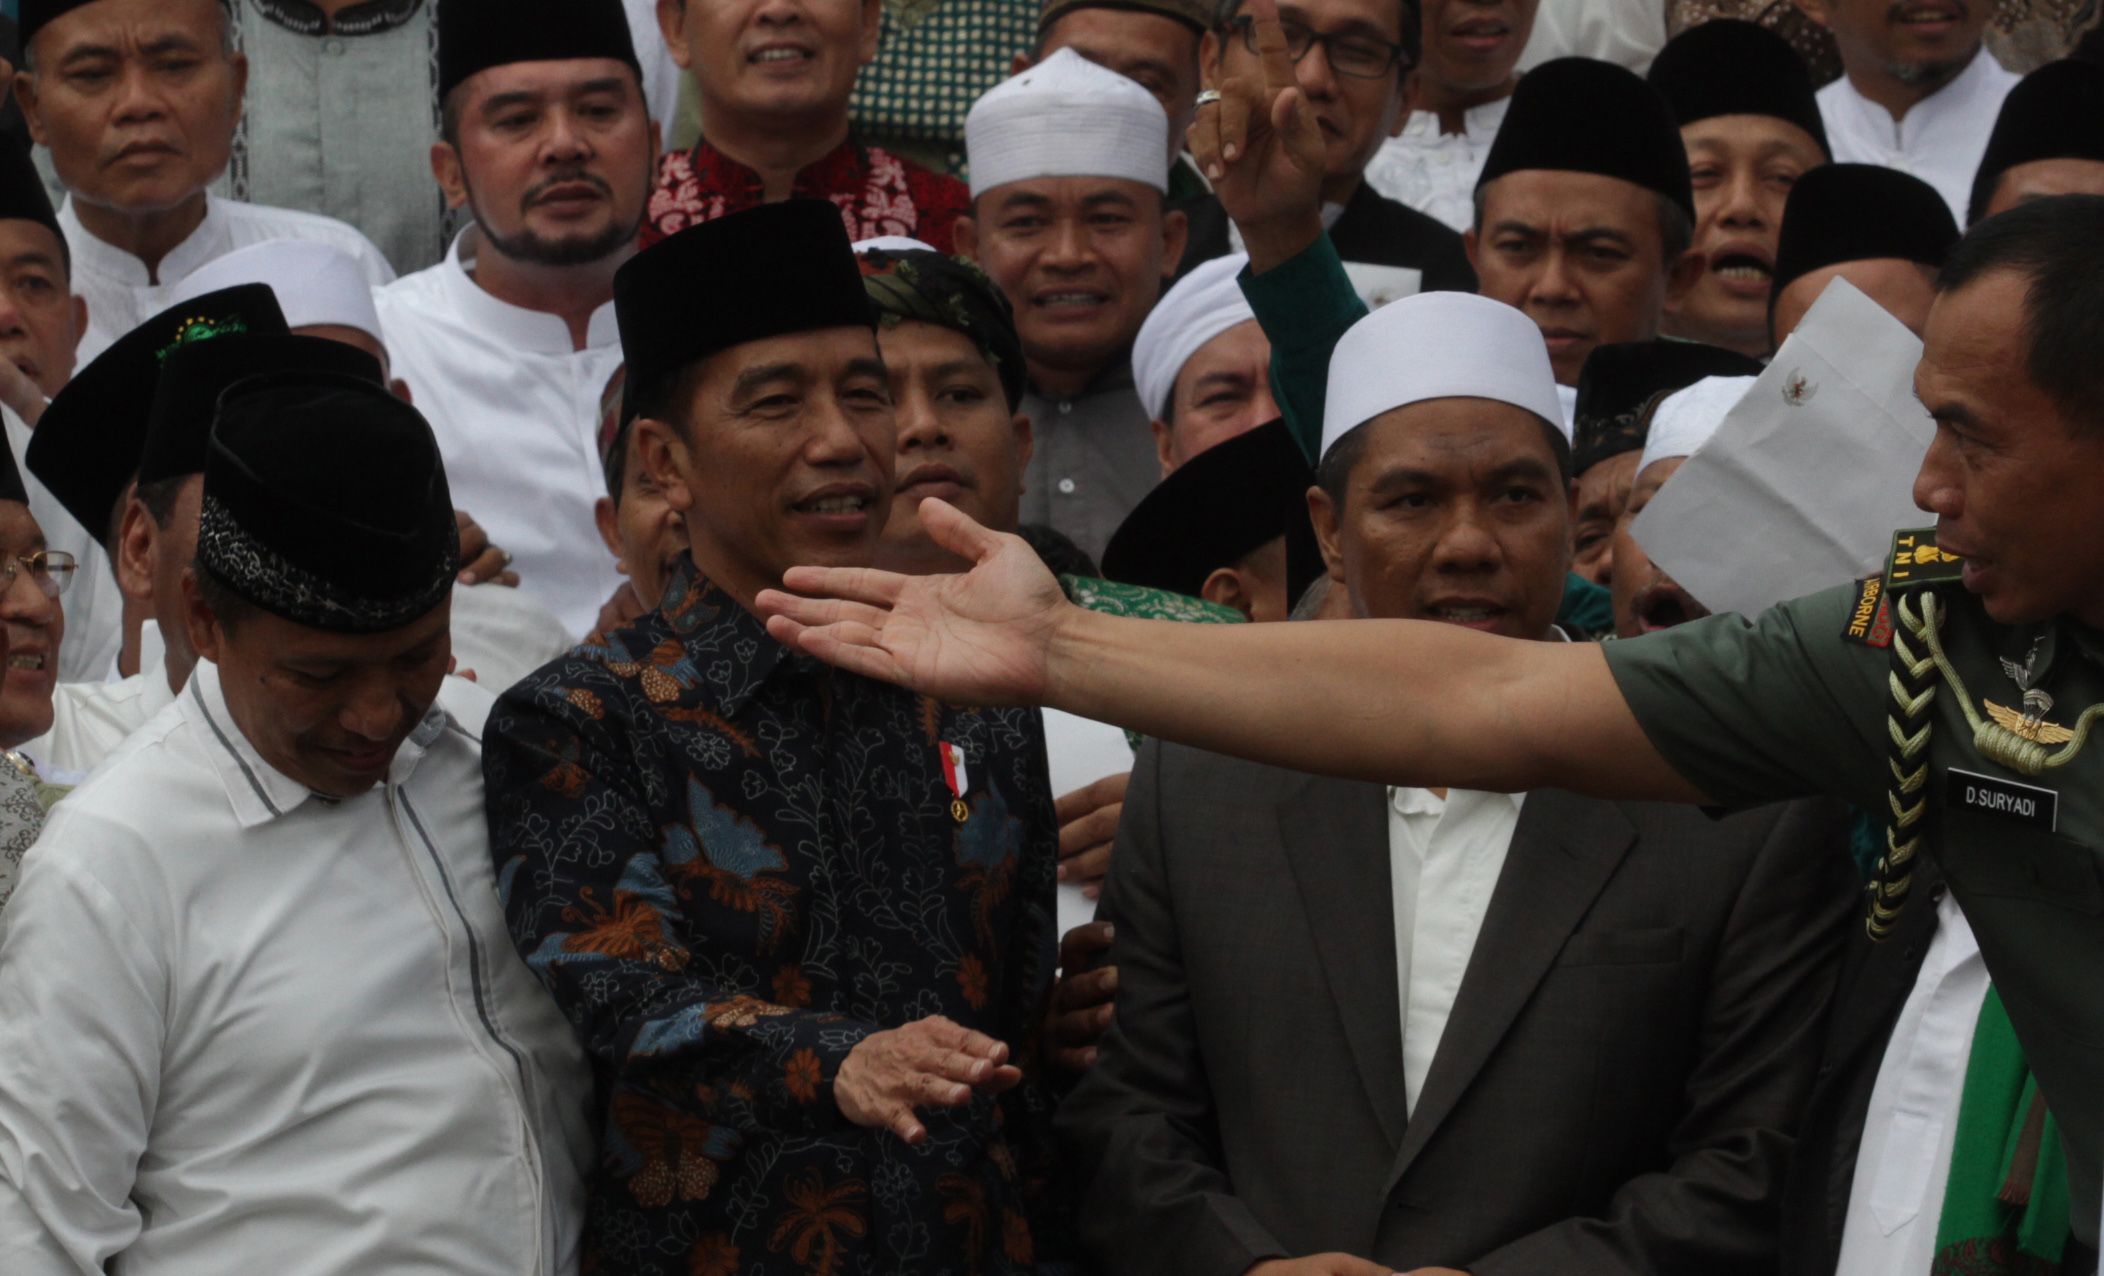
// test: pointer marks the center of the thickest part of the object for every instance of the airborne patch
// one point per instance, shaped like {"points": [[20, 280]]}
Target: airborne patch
{"points": [[1870, 617], [1916, 561]]}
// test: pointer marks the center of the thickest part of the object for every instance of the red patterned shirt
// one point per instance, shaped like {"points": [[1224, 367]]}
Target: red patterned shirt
{"points": [[878, 193]]}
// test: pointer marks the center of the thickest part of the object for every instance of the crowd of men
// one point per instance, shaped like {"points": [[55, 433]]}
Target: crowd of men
{"points": [[1235, 791]]}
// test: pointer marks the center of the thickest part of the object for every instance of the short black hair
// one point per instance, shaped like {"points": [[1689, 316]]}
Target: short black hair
{"points": [[1334, 474], [159, 497], [2057, 245], [665, 398], [615, 462], [228, 608]]}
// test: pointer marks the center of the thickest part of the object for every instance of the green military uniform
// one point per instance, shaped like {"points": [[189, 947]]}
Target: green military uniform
{"points": [[1821, 695]]}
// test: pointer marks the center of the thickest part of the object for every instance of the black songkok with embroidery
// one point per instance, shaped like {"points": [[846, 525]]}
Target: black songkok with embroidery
{"points": [[952, 292], [1860, 212], [87, 447], [185, 400], [1622, 382], [325, 503], [475, 35], [1581, 115], [1728, 67], [765, 272], [1229, 500], [2056, 112]]}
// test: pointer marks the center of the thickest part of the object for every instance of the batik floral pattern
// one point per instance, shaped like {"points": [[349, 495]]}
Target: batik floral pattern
{"points": [[730, 865], [877, 193]]}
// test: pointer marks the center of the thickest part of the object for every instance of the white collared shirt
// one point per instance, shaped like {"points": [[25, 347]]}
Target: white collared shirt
{"points": [[93, 605], [121, 295], [1434, 172], [246, 1028], [90, 719], [516, 411], [1940, 140], [1896, 1202], [1447, 851]]}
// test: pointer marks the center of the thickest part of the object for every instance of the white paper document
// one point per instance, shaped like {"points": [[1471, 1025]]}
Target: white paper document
{"points": [[1807, 478], [1081, 752]]}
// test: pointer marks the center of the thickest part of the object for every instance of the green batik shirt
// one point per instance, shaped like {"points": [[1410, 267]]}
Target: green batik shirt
{"points": [[1790, 705]]}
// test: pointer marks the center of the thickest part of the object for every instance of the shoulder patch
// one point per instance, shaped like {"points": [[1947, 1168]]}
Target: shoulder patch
{"points": [[1870, 617], [1916, 561]]}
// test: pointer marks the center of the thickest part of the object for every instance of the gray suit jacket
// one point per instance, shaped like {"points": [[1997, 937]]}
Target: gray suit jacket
{"points": [[1635, 1033]]}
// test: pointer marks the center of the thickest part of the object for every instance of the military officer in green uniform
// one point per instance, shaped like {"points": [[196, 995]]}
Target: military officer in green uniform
{"points": [[1957, 693]]}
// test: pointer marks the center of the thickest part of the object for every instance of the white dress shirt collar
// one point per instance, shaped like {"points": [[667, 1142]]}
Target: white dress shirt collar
{"points": [[1979, 87], [534, 330], [98, 256], [1478, 123]]}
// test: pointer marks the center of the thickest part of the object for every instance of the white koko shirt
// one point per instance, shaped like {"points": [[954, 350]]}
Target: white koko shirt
{"points": [[1940, 140], [245, 1029], [1434, 172], [516, 412], [121, 295]]}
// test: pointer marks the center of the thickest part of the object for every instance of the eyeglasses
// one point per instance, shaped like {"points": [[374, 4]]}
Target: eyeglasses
{"points": [[1359, 56], [51, 569]]}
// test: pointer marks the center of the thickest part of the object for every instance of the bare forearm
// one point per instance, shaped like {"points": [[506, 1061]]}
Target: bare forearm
{"points": [[1398, 702]]}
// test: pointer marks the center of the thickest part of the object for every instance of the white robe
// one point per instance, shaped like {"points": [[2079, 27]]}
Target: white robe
{"points": [[121, 295], [246, 1029], [1941, 140], [516, 411]]}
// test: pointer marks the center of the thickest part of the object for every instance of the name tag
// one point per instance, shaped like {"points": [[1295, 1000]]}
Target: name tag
{"points": [[1990, 795]]}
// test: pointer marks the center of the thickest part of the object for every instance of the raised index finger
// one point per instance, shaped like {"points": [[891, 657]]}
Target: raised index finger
{"points": [[1271, 47]]}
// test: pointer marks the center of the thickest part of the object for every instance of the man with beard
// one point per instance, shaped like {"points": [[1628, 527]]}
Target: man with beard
{"points": [[1918, 91], [507, 344]]}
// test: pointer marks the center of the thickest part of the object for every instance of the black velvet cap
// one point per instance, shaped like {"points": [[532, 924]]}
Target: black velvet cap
{"points": [[475, 35], [35, 13], [186, 398], [765, 272], [1729, 67], [1857, 212], [1620, 381], [1581, 115], [86, 449], [325, 502], [22, 195], [2056, 112], [1228, 500]]}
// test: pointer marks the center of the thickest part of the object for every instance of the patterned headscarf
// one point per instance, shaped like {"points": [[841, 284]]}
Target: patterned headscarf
{"points": [[916, 283]]}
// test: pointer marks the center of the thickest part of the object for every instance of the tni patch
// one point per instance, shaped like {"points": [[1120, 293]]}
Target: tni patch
{"points": [[1916, 560], [1991, 795]]}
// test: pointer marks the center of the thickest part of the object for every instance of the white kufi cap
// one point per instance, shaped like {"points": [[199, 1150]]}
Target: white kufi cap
{"points": [[316, 283], [891, 244], [1685, 419], [1066, 117], [1438, 345], [1202, 305]]}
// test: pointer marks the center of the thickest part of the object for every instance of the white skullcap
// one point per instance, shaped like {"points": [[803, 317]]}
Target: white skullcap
{"points": [[1202, 305], [316, 283], [1686, 418], [1066, 117], [891, 244], [1438, 345]]}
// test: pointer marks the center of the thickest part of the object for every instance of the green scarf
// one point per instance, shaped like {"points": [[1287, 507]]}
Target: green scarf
{"points": [[2005, 1206]]}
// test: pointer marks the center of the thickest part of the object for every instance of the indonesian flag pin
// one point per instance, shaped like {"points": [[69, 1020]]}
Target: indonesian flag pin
{"points": [[953, 774]]}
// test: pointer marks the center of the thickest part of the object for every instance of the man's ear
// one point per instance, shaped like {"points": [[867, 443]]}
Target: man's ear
{"points": [[1817, 10], [26, 99], [672, 24], [239, 62], [607, 518], [1686, 273], [1025, 442], [1324, 515], [1408, 91], [1469, 246], [1020, 63], [205, 634], [1227, 588], [872, 29], [964, 238], [1163, 436], [1176, 235], [1210, 51], [136, 534], [666, 458], [451, 174]]}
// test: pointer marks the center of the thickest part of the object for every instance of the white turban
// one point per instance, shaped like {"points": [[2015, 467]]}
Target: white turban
{"points": [[1686, 418], [891, 244], [1066, 117], [1202, 305], [316, 283], [1438, 345]]}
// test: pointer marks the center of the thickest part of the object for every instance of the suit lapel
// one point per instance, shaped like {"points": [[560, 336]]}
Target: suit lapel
{"points": [[1335, 835], [1563, 852]]}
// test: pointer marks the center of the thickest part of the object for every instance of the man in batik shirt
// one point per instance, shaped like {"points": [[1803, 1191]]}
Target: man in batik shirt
{"points": [[773, 83], [802, 921]]}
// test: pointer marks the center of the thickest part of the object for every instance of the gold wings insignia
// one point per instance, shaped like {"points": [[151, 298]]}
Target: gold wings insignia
{"points": [[2036, 730]]}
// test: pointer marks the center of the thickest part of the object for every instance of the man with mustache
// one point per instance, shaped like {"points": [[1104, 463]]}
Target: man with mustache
{"points": [[507, 344], [1918, 92], [138, 101]]}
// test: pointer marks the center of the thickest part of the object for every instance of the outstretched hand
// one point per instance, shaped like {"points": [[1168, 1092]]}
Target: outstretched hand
{"points": [[1261, 148], [981, 638]]}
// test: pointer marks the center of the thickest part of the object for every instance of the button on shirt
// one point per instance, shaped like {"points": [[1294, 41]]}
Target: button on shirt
{"points": [[121, 295], [1092, 460], [516, 410], [1444, 857], [1911, 1127], [1940, 140], [242, 1026], [1435, 172]]}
